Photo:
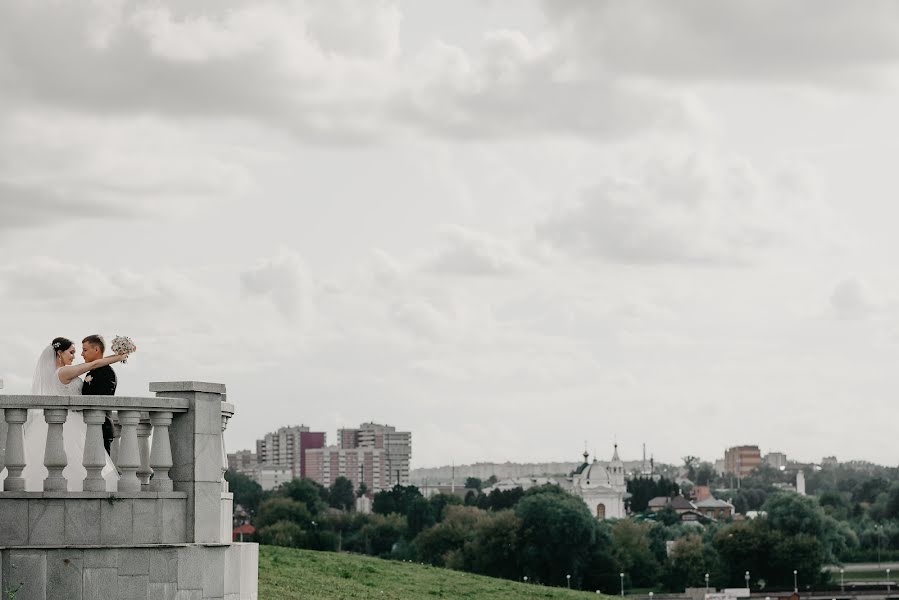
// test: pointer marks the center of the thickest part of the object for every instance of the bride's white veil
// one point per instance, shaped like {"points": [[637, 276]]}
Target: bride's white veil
{"points": [[44, 382]]}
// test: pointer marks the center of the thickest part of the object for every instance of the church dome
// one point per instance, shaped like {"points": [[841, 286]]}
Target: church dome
{"points": [[595, 475]]}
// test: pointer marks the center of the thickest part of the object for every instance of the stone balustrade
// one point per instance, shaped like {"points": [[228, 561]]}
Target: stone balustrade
{"points": [[171, 500], [138, 418]]}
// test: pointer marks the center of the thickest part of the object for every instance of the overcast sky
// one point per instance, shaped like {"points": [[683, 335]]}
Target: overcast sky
{"points": [[508, 227]]}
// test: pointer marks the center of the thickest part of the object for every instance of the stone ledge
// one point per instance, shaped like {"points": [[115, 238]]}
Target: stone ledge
{"points": [[187, 386], [120, 546], [112, 496], [150, 403]]}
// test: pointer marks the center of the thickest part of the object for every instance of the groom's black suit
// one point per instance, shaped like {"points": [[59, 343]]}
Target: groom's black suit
{"points": [[101, 382]]}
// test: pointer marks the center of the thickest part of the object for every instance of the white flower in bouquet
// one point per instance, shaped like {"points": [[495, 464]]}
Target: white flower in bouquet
{"points": [[123, 344]]}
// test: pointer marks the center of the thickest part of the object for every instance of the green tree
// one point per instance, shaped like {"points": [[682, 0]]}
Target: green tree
{"points": [[630, 547], [341, 494], [473, 483], [382, 532], [690, 463], [282, 533], [686, 566], [458, 527], [246, 492], [439, 503], [644, 489], [419, 517], [792, 514], [743, 546], [834, 504], [283, 509], [557, 532], [500, 499], [705, 474], [310, 493], [398, 499], [494, 548]]}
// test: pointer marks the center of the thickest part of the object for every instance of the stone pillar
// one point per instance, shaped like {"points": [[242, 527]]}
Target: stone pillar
{"points": [[94, 452], [161, 453], [2, 435], [227, 526], [129, 456], [15, 449], [143, 448], [116, 436], [54, 450], [196, 441]]}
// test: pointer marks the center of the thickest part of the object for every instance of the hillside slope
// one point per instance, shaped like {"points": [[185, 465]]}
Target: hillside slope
{"points": [[290, 574]]}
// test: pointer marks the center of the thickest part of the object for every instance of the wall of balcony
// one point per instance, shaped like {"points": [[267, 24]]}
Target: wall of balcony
{"points": [[165, 530]]}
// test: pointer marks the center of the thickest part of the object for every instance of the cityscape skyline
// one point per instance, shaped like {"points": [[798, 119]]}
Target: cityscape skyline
{"points": [[778, 456]]}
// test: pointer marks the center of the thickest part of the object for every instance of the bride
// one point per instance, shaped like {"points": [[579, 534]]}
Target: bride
{"points": [[55, 375]]}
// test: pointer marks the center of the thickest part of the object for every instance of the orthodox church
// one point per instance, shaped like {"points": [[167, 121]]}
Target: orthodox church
{"points": [[601, 487]]}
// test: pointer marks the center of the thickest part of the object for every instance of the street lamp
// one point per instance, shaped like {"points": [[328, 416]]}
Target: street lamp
{"points": [[888, 582], [795, 582], [747, 579], [706, 586], [650, 595], [877, 529], [525, 579], [842, 586], [622, 584], [568, 579]]}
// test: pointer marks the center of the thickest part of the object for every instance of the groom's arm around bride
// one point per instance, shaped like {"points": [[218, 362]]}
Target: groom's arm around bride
{"points": [[99, 382]]}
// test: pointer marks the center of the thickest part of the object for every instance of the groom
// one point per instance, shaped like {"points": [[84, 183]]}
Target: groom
{"points": [[99, 382]]}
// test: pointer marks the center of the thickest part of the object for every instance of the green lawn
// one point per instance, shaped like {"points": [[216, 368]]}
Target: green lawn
{"points": [[290, 574]]}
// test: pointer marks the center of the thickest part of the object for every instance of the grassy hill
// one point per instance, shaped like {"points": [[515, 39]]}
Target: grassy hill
{"points": [[290, 574]]}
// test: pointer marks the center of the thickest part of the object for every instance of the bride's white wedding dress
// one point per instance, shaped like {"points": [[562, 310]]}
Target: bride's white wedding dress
{"points": [[46, 383]]}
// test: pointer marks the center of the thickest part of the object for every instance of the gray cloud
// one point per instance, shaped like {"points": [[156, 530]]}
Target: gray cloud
{"points": [[853, 298], [470, 252], [324, 71], [700, 210], [30, 206], [284, 280], [824, 41]]}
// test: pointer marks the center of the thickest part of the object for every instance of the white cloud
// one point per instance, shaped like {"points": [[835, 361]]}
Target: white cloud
{"points": [[284, 280], [324, 71], [475, 253], [853, 298], [818, 41], [59, 168], [700, 209]]}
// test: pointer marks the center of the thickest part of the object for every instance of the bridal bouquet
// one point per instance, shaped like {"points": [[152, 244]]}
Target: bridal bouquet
{"points": [[122, 344]]}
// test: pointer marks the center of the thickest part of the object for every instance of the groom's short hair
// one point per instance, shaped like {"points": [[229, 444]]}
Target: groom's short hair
{"points": [[95, 340]]}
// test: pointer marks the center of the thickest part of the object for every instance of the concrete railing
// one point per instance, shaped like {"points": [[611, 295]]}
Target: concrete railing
{"points": [[137, 419], [166, 530], [171, 458]]}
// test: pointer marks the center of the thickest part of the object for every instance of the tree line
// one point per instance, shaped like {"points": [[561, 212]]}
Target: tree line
{"points": [[546, 534]]}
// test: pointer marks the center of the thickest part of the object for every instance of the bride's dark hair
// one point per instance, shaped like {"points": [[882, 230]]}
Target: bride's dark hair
{"points": [[62, 344]]}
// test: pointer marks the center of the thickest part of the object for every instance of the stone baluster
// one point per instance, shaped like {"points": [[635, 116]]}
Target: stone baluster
{"points": [[55, 451], [15, 449], [143, 447], [116, 436], [94, 452], [129, 455], [161, 452], [225, 417]]}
